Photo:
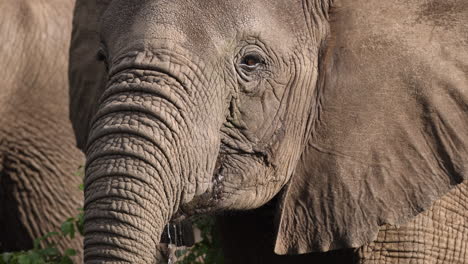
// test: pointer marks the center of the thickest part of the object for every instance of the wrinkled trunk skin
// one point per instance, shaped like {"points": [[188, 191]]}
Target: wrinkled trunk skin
{"points": [[132, 189], [121, 212]]}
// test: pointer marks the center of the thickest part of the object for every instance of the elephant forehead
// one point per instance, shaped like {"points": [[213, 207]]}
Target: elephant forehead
{"points": [[197, 24]]}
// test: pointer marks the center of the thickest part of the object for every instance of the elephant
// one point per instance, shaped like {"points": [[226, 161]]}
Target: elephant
{"points": [[39, 188], [334, 129]]}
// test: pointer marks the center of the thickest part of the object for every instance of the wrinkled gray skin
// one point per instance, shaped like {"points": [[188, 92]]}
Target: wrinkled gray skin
{"points": [[38, 156], [352, 114]]}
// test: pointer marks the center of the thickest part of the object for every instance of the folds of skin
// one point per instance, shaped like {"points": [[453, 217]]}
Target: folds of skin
{"points": [[392, 133], [368, 129], [436, 236], [138, 164], [165, 116], [127, 169], [39, 159]]}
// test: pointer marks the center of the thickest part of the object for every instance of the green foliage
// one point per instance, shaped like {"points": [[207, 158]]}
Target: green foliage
{"points": [[47, 254], [73, 224], [208, 250]]}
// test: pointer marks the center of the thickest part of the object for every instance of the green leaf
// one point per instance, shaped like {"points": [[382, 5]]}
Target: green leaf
{"points": [[80, 222], [24, 259], [66, 260], [36, 258], [70, 252], [48, 235], [68, 228], [37, 241], [6, 257], [50, 251]]}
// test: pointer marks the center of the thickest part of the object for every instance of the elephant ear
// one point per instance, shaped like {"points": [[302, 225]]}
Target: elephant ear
{"points": [[87, 75], [391, 131]]}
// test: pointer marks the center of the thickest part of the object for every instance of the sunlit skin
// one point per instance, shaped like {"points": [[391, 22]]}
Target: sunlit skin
{"points": [[338, 113]]}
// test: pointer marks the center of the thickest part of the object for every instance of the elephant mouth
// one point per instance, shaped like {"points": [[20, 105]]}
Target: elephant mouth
{"points": [[229, 178]]}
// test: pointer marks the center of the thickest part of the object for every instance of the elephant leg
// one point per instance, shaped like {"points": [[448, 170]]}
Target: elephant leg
{"points": [[38, 185], [248, 238], [437, 236]]}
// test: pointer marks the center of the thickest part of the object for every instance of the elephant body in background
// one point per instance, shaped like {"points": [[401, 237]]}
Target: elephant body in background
{"points": [[344, 121], [39, 161]]}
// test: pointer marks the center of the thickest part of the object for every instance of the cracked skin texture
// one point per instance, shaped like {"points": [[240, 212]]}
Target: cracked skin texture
{"points": [[38, 153], [353, 115]]}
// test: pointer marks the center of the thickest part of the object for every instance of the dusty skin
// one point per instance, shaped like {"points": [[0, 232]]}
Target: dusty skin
{"points": [[340, 120], [38, 153]]}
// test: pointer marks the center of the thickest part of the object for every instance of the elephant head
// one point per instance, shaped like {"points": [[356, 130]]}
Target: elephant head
{"points": [[352, 117]]}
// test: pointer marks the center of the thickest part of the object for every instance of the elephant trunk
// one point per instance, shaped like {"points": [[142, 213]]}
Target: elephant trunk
{"points": [[135, 170]]}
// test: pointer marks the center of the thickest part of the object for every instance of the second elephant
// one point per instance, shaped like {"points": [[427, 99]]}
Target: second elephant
{"points": [[39, 188]]}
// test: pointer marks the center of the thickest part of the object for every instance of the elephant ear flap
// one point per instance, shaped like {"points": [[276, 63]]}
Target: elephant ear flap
{"points": [[87, 76], [391, 131]]}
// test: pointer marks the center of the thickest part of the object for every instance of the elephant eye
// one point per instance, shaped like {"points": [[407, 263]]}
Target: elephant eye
{"points": [[252, 64], [251, 61], [101, 55]]}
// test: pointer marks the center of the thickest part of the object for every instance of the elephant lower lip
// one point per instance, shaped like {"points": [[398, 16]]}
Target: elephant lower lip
{"points": [[208, 201], [225, 182]]}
